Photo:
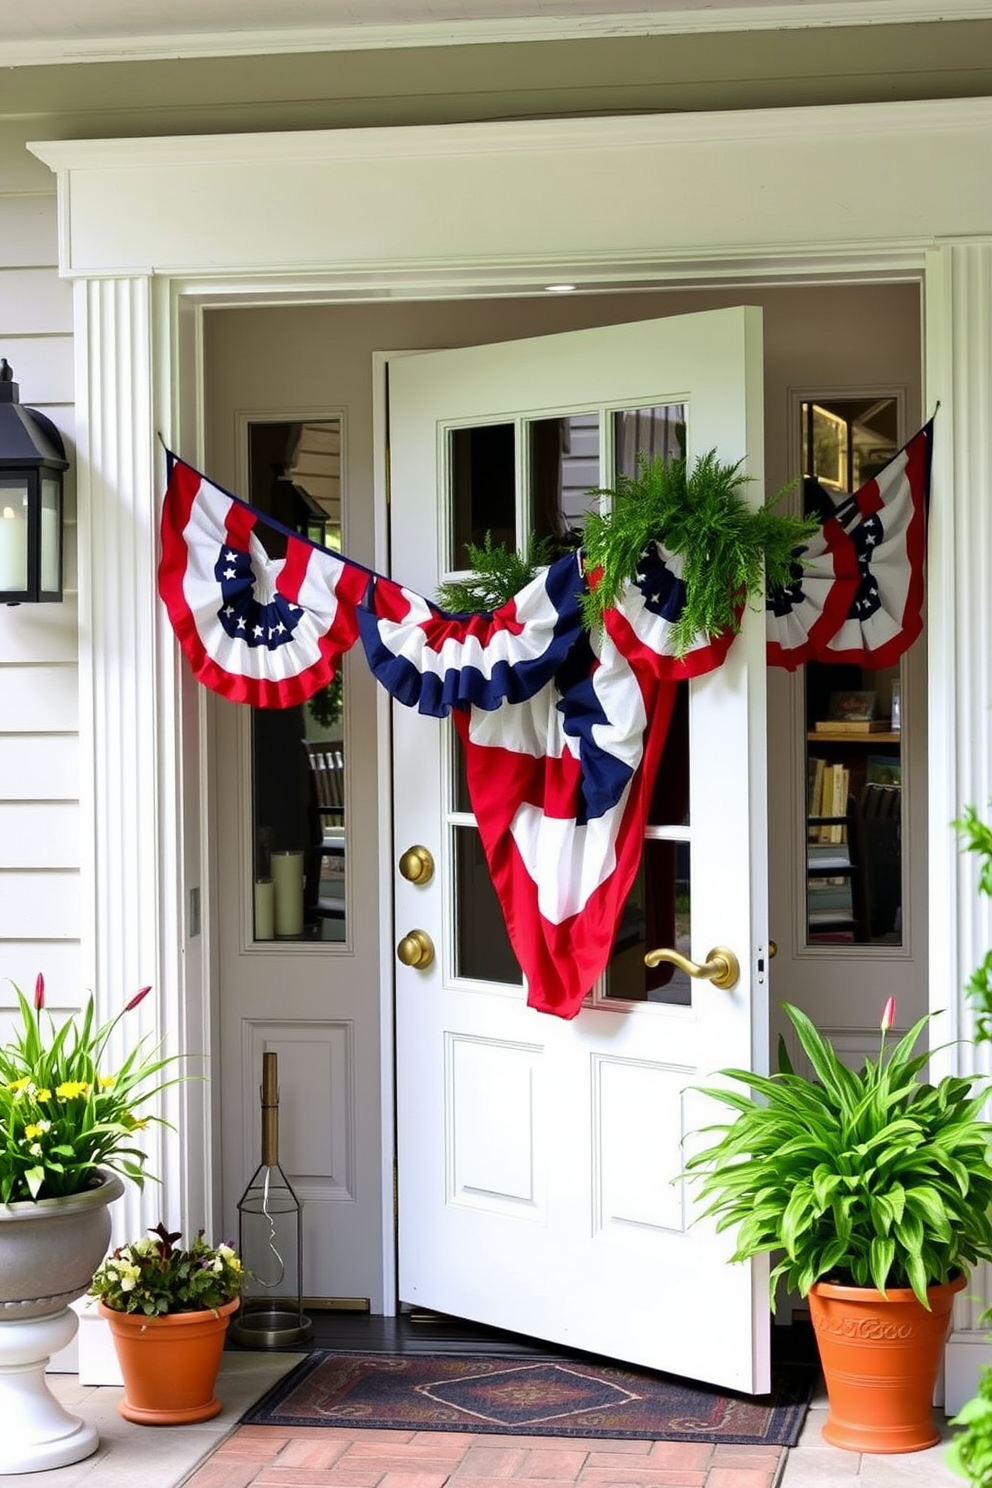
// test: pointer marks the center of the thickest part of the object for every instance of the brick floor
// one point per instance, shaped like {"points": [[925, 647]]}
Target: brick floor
{"points": [[335, 1457]]}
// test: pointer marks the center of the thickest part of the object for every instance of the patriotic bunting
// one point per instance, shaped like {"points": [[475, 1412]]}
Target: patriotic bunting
{"points": [[255, 629], [435, 661], [857, 594], [560, 786], [562, 728]]}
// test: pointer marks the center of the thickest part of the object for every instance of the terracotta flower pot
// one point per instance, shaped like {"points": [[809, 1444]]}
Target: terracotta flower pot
{"points": [[880, 1356], [169, 1364]]}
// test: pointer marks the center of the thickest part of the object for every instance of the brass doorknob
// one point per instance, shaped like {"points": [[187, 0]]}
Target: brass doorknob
{"points": [[416, 949], [721, 966], [417, 865]]}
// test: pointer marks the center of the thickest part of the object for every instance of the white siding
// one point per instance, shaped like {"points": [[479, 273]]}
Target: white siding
{"points": [[39, 677]]}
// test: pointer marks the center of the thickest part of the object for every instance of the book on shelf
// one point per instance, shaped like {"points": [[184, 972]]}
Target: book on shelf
{"points": [[852, 726], [840, 777], [815, 767]]}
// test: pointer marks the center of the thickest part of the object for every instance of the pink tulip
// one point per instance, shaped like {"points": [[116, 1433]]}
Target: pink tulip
{"points": [[39, 992], [888, 1015], [138, 997]]}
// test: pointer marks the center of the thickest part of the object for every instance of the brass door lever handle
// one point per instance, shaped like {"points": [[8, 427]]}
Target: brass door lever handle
{"points": [[721, 966]]}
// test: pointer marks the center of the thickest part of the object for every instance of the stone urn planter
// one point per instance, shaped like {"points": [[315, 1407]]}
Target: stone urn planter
{"points": [[49, 1251]]}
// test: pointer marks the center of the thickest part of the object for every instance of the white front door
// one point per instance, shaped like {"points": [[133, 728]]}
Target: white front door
{"points": [[537, 1156]]}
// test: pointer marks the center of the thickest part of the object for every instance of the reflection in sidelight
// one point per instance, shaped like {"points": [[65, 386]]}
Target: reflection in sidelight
{"points": [[297, 753], [853, 718], [482, 946]]}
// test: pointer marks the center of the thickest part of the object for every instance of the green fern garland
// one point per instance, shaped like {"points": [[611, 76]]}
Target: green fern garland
{"points": [[730, 552], [498, 574]]}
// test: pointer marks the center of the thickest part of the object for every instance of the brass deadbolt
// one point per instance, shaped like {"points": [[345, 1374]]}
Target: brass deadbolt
{"points": [[416, 949], [417, 865]]}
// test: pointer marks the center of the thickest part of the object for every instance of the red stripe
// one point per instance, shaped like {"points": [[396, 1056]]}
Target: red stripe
{"points": [[561, 962], [239, 523], [294, 569]]}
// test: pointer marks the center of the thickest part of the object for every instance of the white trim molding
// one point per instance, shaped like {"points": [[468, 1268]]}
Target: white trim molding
{"points": [[680, 18]]}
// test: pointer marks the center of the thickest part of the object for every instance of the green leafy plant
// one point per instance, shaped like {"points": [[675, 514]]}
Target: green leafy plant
{"points": [[729, 551], [327, 705], [978, 840], [152, 1276], [63, 1113], [873, 1178], [498, 573], [970, 1450]]}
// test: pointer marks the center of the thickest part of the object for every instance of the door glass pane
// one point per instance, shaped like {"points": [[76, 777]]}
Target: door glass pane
{"points": [[482, 946], [669, 805], [648, 431], [298, 762], [482, 490], [853, 717], [656, 915], [564, 469]]}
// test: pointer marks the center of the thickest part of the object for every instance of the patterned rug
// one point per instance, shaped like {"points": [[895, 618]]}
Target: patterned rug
{"points": [[528, 1396]]}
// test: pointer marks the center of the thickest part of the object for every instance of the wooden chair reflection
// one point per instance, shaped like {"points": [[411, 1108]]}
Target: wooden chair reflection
{"points": [[875, 835], [327, 764]]}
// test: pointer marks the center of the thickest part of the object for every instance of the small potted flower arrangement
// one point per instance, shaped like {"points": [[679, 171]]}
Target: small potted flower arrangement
{"points": [[168, 1309]]}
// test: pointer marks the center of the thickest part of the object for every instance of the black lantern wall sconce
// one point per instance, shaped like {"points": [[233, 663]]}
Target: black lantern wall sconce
{"points": [[32, 462]]}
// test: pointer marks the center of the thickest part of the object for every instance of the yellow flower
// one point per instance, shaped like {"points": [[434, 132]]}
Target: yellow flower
{"points": [[106, 1082], [21, 1084], [37, 1129], [70, 1089], [43, 1095]]}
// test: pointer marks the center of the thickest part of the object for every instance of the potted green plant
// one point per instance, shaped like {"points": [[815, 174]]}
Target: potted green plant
{"points": [[70, 1125], [168, 1308], [871, 1190], [970, 1452]]}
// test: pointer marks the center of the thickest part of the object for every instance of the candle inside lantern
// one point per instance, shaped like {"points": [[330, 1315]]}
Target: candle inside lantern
{"points": [[13, 547]]}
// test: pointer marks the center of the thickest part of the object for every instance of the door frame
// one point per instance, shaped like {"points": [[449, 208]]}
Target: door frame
{"points": [[141, 329]]}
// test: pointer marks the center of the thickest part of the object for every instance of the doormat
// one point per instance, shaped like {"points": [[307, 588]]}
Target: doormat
{"points": [[527, 1396]]}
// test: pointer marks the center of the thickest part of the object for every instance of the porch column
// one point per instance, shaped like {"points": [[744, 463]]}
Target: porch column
{"points": [[958, 323], [129, 704]]}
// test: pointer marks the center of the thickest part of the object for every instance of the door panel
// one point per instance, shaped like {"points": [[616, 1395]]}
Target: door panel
{"points": [[539, 1159]]}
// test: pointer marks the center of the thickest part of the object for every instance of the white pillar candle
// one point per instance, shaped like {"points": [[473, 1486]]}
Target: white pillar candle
{"points": [[287, 876], [265, 909]]}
